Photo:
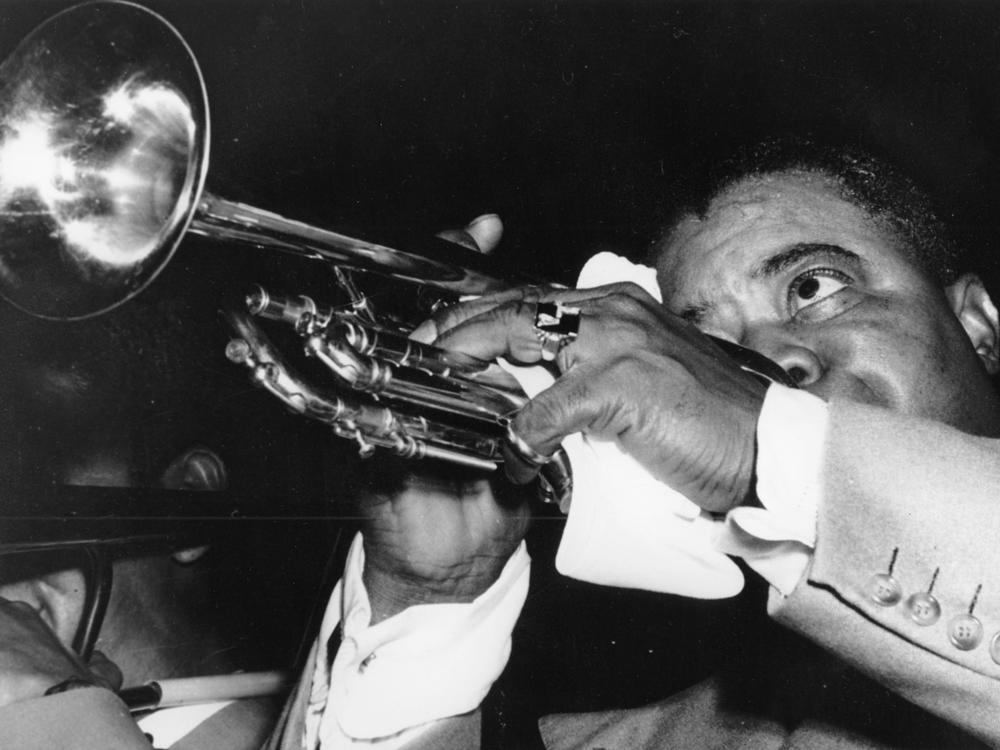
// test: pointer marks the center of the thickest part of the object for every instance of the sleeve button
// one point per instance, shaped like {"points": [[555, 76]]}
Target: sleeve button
{"points": [[995, 648], [924, 608], [885, 590], [966, 632]]}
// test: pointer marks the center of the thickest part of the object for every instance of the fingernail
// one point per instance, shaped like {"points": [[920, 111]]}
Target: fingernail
{"points": [[425, 333], [483, 217]]}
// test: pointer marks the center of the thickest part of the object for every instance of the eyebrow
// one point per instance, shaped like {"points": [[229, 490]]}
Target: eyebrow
{"points": [[780, 261], [773, 266]]}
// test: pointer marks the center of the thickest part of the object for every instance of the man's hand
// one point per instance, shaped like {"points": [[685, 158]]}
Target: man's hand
{"points": [[32, 659], [437, 539], [445, 534], [635, 373]]}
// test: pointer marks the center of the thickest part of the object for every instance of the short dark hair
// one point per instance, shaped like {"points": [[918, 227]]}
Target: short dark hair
{"points": [[890, 197]]}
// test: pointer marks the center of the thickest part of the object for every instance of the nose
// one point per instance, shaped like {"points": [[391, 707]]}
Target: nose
{"points": [[794, 356]]}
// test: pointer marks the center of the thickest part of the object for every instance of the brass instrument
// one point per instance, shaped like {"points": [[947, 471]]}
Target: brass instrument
{"points": [[104, 147], [104, 142]]}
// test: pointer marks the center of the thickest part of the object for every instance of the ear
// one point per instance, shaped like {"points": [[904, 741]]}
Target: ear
{"points": [[974, 309], [196, 469]]}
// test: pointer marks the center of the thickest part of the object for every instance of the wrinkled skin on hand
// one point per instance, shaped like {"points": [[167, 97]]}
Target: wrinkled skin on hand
{"points": [[636, 373], [32, 659], [439, 536], [435, 533]]}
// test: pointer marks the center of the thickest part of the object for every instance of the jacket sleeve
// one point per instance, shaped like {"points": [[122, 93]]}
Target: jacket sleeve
{"points": [[905, 579], [86, 719]]}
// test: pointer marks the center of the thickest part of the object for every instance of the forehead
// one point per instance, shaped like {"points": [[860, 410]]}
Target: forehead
{"points": [[759, 218]]}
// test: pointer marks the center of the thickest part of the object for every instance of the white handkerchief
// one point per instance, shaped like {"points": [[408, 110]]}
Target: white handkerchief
{"points": [[626, 528]]}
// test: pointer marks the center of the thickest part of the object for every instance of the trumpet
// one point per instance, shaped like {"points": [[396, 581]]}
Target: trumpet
{"points": [[104, 144]]}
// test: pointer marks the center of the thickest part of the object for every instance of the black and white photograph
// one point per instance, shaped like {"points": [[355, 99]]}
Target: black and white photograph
{"points": [[499, 375]]}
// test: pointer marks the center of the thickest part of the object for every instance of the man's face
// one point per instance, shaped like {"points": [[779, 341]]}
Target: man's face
{"points": [[782, 265]]}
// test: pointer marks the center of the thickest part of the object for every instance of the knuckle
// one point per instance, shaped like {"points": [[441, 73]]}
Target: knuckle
{"points": [[514, 310], [633, 290], [551, 411], [624, 305], [448, 317]]}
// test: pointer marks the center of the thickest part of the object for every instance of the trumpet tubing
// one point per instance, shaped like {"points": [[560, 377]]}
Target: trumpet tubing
{"points": [[104, 144]]}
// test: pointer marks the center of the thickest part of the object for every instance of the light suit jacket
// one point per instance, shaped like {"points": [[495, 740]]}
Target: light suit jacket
{"points": [[894, 487]]}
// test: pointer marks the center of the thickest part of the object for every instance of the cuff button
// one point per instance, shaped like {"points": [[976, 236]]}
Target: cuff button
{"points": [[995, 648], [966, 632], [924, 608], [884, 590]]}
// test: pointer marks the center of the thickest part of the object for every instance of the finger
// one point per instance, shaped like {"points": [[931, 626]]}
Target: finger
{"points": [[509, 330], [446, 321], [482, 234], [572, 404], [456, 315], [504, 331], [586, 299], [105, 672], [447, 318]]}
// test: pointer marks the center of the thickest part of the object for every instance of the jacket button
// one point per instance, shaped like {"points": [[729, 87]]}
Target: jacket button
{"points": [[924, 608], [884, 590], [995, 648], [965, 632]]}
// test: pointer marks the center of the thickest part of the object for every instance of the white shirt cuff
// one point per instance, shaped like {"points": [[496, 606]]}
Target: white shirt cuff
{"points": [[777, 540], [428, 662]]}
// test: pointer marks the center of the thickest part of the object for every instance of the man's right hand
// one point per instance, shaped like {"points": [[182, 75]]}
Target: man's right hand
{"points": [[32, 659]]}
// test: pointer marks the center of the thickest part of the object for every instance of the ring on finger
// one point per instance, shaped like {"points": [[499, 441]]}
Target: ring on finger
{"points": [[556, 326], [524, 451]]}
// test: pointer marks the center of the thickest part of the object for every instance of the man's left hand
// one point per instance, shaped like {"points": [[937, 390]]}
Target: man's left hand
{"points": [[635, 373]]}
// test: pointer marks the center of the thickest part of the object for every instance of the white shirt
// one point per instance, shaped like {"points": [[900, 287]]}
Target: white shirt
{"points": [[391, 681], [428, 662]]}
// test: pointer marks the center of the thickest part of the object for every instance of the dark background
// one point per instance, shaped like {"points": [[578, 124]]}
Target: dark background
{"points": [[570, 119], [574, 122]]}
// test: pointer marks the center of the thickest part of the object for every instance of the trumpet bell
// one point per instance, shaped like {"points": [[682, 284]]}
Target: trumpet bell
{"points": [[103, 155]]}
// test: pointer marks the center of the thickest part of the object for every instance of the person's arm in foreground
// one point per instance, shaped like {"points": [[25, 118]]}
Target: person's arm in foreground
{"points": [[86, 716], [419, 627]]}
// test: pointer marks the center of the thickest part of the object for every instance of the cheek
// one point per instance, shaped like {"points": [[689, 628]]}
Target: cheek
{"points": [[906, 358], [884, 356]]}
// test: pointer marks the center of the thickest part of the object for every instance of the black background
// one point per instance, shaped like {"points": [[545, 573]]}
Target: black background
{"points": [[570, 119]]}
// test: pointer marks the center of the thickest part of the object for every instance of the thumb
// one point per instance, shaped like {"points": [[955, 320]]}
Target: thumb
{"points": [[486, 231], [104, 671], [482, 234]]}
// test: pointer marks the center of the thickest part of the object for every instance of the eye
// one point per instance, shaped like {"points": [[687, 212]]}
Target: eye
{"points": [[815, 285]]}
